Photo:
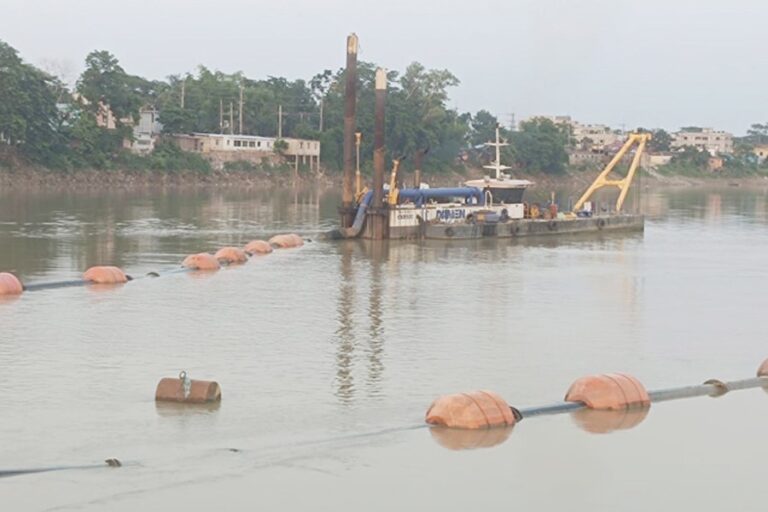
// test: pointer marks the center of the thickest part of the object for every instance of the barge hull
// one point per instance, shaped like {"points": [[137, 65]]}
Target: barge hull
{"points": [[524, 228]]}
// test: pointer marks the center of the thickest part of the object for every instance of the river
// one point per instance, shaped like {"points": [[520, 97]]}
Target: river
{"points": [[329, 355]]}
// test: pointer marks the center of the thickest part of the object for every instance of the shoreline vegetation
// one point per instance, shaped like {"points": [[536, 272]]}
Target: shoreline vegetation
{"points": [[89, 134]]}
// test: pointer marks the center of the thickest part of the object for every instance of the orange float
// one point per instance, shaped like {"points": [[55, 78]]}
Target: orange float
{"points": [[186, 390], [201, 261], [10, 284], [478, 409], [105, 275], [610, 391], [231, 255], [763, 370], [288, 241], [258, 247]]}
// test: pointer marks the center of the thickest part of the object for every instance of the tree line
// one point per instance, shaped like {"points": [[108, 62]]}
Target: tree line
{"points": [[44, 122]]}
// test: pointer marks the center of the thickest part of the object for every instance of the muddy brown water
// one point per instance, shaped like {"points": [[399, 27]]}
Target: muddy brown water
{"points": [[318, 347]]}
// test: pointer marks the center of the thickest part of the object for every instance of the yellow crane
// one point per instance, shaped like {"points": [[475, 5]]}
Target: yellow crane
{"points": [[624, 183]]}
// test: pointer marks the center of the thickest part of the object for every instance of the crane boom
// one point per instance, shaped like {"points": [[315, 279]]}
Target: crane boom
{"points": [[624, 183]]}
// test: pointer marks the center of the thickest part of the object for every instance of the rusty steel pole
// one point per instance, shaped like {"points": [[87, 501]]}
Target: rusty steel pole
{"points": [[377, 210], [419, 158], [350, 103]]}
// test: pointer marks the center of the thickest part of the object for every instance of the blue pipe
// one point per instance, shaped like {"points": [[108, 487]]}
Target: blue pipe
{"points": [[419, 196], [357, 226]]}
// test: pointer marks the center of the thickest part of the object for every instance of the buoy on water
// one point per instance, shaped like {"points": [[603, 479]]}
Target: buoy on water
{"points": [[288, 241], [105, 275], [611, 391], [186, 390], [258, 247], [10, 284], [478, 409], [201, 261], [763, 370], [231, 255]]}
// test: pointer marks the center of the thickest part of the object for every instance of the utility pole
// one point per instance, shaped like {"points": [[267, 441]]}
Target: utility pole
{"points": [[279, 121], [221, 115], [321, 116], [240, 114], [231, 117], [183, 91]]}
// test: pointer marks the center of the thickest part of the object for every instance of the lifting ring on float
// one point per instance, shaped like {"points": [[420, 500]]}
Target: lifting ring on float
{"points": [[449, 232], [552, 225], [600, 223]]}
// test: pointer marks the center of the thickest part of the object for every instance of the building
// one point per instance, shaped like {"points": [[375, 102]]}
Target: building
{"points": [[587, 136], [146, 132], [598, 136], [654, 160], [713, 141], [761, 152], [222, 148]]}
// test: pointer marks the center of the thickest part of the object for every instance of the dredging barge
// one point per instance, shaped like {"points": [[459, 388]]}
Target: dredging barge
{"points": [[491, 207]]}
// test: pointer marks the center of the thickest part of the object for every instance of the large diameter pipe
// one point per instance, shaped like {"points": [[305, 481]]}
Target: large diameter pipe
{"points": [[350, 103], [378, 138]]}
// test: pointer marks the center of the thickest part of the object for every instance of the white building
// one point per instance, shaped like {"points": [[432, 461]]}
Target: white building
{"points": [[707, 139], [221, 148], [146, 132], [596, 136]]}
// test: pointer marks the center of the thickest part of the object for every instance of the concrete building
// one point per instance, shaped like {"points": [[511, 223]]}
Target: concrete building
{"points": [[714, 141], [761, 152], [222, 148], [587, 136], [654, 160], [146, 132]]}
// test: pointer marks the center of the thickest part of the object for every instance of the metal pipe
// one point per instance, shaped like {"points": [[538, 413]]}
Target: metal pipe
{"points": [[710, 388], [111, 463], [35, 287], [350, 103]]}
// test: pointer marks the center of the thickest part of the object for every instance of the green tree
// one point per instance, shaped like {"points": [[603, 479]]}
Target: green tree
{"points": [[104, 81], [28, 112], [540, 145], [758, 134], [482, 128], [661, 141]]}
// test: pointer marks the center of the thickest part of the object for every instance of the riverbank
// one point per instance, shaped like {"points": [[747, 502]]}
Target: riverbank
{"points": [[32, 178]]}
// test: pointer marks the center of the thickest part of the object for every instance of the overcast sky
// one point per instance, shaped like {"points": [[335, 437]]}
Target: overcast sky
{"points": [[651, 63]]}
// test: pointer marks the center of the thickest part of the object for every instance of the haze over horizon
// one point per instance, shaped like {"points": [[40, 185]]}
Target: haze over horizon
{"points": [[621, 63]]}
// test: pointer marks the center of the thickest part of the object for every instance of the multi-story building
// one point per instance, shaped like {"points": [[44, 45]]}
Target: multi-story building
{"points": [[713, 141], [596, 137], [222, 148], [146, 132]]}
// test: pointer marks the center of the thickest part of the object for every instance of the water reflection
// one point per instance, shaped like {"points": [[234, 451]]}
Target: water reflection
{"points": [[460, 439], [352, 293], [604, 422]]}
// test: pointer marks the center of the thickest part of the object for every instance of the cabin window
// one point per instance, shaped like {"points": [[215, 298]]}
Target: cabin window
{"points": [[258, 144], [252, 144], [237, 143]]}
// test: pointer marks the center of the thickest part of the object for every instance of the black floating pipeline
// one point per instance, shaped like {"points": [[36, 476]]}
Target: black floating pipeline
{"points": [[109, 463], [599, 403], [10, 285]]}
